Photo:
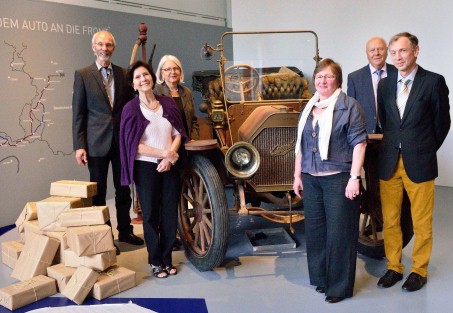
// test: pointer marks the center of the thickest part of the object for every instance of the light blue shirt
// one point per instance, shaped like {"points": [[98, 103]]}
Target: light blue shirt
{"points": [[375, 79], [411, 76]]}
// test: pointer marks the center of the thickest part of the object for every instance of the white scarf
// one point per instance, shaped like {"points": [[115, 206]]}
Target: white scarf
{"points": [[325, 121]]}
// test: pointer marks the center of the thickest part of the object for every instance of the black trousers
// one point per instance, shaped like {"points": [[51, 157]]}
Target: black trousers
{"points": [[158, 194], [99, 169]]}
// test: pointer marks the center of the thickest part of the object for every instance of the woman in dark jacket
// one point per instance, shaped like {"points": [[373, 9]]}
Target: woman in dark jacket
{"points": [[170, 76]]}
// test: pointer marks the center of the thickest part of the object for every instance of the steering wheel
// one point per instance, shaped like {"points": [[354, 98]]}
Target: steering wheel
{"points": [[237, 81]]}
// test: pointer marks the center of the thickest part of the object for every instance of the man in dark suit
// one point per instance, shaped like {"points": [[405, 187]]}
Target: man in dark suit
{"points": [[414, 112], [99, 95], [362, 84]]}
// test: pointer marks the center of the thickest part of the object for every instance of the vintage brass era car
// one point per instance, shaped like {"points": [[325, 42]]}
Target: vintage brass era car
{"points": [[247, 142]]}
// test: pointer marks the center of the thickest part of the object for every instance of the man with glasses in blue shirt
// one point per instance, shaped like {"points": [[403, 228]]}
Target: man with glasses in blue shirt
{"points": [[414, 111]]}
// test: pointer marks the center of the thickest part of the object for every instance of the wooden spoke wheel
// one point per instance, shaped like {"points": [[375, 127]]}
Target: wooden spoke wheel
{"points": [[203, 215], [371, 238]]}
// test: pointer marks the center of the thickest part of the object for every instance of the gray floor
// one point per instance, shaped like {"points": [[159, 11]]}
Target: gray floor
{"points": [[278, 281]]}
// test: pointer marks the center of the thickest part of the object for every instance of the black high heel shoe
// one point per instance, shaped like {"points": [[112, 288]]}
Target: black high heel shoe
{"points": [[333, 299]]}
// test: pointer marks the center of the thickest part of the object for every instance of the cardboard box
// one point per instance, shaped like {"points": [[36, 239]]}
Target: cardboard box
{"points": [[80, 284], [89, 240], [50, 209], [11, 251], [61, 273], [36, 256], [97, 262], [113, 281], [95, 215], [32, 227], [20, 294], [73, 188], [87, 202], [61, 236], [28, 213], [22, 237], [70, 202]]}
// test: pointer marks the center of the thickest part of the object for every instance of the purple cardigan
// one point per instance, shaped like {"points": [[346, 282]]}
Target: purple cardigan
{"points": [[132, 127]]}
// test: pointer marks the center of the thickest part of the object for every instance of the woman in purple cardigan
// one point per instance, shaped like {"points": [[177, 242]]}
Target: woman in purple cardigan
{"points": [[151, 134]]}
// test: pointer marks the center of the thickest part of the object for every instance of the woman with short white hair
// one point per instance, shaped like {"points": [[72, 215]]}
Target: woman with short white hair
{"points": [[170, 76]]}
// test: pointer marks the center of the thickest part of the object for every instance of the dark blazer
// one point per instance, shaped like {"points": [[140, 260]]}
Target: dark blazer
{"points": [[360, 87], [94, 123], [421, 131], [187, 104]]}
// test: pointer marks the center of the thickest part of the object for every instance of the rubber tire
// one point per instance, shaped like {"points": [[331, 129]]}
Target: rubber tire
{"points": [[203, 170], [376, 249]]}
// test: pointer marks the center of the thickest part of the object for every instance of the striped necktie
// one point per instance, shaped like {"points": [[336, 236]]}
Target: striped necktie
{"points": [[401, 99], [379, 75]]}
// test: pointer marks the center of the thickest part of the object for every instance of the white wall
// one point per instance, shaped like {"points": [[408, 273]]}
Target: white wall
{"points": [[343, 27]]}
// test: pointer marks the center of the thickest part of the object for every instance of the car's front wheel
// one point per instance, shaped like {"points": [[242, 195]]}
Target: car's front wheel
{"points": [[203, 215]]}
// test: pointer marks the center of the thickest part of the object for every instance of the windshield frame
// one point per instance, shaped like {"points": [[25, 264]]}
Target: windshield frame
{"points": [[225, 65]]}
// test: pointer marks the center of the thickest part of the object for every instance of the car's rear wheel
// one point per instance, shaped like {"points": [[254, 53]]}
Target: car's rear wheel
{"points": [[203, 215], [371, 239]]}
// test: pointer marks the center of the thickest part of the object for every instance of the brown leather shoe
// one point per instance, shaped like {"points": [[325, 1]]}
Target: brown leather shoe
{"points": [[414, 282], [130, 238], [389, 279]]}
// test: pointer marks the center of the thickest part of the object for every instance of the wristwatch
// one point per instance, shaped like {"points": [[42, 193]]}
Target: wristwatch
{"points": [[354, 177]]}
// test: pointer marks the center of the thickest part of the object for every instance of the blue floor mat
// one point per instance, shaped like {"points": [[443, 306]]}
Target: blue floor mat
{"points": [[161, 305]]}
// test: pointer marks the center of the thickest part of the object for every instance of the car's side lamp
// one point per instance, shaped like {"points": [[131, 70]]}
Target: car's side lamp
{"points": [[217, 114]]}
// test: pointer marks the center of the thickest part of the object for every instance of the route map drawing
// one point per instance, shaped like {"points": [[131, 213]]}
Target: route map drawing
{"points": [[32, 118], [35, 120]]}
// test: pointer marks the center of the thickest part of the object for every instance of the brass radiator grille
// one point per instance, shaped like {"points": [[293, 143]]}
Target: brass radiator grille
{"points": [[276, 148]]}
